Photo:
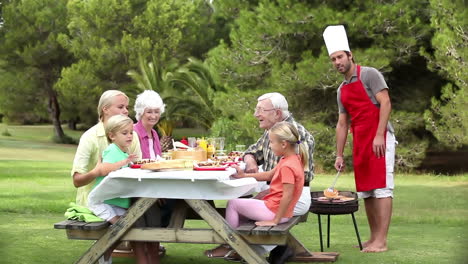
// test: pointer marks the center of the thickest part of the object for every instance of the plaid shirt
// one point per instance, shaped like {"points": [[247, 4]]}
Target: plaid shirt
{"points": [[265, 156]]}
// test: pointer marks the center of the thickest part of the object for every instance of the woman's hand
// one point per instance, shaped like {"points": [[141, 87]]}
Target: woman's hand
{"points": [[266, 223], [240, 173]]}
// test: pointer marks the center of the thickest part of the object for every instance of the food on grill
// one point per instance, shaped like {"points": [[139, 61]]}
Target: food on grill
{"points": [[330, 193], [167, 165]]}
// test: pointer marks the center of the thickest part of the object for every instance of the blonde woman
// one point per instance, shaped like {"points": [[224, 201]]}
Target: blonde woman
{"points": [[93, 142]]}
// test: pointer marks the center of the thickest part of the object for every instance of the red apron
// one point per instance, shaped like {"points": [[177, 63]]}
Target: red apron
{"points": [[369, 171]]}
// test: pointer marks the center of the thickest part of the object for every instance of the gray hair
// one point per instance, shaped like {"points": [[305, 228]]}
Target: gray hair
{"points": [[148, 99], [278, 101]]}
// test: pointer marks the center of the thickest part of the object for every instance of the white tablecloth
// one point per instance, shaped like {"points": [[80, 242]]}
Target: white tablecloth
{"points": [[207, 185]]}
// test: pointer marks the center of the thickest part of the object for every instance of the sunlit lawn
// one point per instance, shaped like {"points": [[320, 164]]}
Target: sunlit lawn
{"points": [[430, 219]]}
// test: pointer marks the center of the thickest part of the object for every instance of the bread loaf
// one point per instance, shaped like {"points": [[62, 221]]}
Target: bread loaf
{"points": [[168, 164]]}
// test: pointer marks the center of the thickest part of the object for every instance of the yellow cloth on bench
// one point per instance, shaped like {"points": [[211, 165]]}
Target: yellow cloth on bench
{"points": [[81, 213]]}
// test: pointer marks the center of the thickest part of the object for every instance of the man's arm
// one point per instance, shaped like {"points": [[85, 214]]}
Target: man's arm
{"points": [[341, 135], [310, 141], [385, 108], [254, 155]]}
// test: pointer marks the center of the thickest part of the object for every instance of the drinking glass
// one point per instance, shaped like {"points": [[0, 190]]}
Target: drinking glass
{"points": [[220, 143], [192, 142]]}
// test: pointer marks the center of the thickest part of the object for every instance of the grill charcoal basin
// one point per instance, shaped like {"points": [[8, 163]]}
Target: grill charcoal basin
{"points": [[334, 208]]}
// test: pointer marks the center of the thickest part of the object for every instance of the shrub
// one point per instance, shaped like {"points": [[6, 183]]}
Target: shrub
{"points": [[6, 133]]}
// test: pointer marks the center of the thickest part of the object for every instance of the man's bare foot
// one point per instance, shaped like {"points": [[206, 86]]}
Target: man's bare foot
{"points": [[375, 247], [364, 244]]}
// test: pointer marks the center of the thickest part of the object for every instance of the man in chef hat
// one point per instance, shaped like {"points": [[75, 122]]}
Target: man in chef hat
{"points": [[363, 99]]}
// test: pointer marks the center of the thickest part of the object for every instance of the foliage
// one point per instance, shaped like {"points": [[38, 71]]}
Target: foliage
{"points": [[165, 127], [448, 119], [57, 57], [186, 90], [193, 92], [6, 133], [108, 41], [278, 45], [32, 55], [237, 123]]}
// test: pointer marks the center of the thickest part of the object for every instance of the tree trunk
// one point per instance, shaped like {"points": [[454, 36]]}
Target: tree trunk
{"points": [[54, 112], [72, 124]]}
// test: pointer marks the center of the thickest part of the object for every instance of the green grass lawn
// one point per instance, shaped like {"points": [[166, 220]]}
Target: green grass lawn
{"points": [[429, 225]]}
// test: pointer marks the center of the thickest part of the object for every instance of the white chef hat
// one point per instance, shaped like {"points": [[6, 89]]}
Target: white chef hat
{"points": [[336, 39]]}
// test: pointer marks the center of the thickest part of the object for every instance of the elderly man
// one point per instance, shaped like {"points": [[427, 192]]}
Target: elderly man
{"points": [[271, 109]]}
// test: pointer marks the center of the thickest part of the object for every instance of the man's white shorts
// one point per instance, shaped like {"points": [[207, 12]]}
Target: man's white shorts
{"points": [[390, 163]]}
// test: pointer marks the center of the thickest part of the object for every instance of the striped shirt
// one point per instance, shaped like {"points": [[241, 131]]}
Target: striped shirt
{"points": [[265, 156]]}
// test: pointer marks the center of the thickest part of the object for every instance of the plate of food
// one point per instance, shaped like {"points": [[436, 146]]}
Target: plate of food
{"points": [[209, 166]]}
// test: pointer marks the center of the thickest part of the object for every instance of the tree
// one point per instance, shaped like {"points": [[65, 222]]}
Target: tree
{"points": [[30, 49], [278, 46], [448, 118], [108, 41]]}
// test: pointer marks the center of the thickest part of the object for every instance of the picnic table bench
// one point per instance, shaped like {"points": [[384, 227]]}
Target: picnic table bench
{"points": [[195, 192], [176, 233]]}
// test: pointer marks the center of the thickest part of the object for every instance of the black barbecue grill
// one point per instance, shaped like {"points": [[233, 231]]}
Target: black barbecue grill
{"points": [[334, 207]]}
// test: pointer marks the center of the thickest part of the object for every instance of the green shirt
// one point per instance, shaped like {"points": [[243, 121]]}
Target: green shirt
{"points": [[113, 154]]}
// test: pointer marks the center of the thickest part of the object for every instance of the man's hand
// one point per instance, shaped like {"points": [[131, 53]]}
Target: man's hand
{"points": [[266, 223], [250, 164], [378, 146], [339, 164]]}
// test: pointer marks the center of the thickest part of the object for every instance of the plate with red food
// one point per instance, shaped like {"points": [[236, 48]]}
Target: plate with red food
{"points": [[209, 166]]}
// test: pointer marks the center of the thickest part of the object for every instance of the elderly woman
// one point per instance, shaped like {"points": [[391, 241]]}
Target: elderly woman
{"points": [[148, 109]]}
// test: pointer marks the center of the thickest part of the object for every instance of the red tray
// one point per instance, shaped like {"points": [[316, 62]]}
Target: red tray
{"points": [[135, 166], [209, 169]]}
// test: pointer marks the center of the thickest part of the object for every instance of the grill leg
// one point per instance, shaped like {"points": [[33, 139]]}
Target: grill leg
{"points": [[328, 231], [357, 232], [320, 232]]}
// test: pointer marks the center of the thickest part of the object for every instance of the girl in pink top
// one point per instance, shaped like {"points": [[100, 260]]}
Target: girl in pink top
{"points": [[286, 185]]}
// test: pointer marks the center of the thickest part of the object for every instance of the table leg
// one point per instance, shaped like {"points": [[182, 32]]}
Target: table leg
{"points": [[116, 231], [178, 215], [297, 246], [220, 226]]}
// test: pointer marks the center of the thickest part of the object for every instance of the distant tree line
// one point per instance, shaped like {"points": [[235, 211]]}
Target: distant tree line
{"points": [[210, 60]]}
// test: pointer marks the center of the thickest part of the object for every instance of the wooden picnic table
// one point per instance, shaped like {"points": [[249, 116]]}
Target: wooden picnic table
{"points": [[138, 181]]}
